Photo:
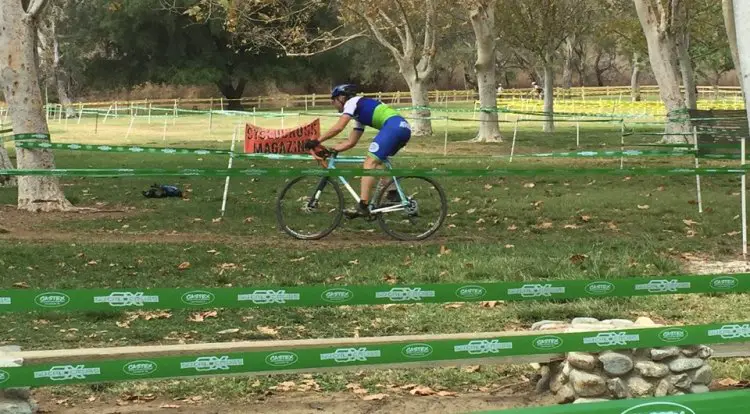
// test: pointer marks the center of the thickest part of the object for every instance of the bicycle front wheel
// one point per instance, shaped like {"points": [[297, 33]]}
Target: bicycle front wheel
{"points": [[417, 216], [310, 208]]}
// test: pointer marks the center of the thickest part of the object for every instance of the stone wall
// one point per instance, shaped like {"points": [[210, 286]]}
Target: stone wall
{"points": [[630, 373]]}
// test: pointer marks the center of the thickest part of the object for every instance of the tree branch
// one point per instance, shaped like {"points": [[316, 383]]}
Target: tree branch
{"points": [[381, 38], [395, 27], [340, 41], [409, 47], [35, 7]]}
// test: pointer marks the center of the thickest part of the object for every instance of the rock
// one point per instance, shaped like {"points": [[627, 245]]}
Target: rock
{"points": [[582, 360], [587, 385], [589, 400], [690, 351], [639, 387], [23, 394], [616, 363], [699, 389], [537, 326], [663, 388], [589, 327], [702, 375], [544, 380], [644, 321], [685, 364], [642, 353], [678, 393], [581, 321], [557, 382], [565, 395], [15, 407], [619, 323], [659, 354], [680, 381], [617, 388], [566, 368], [705, 352], [651, 369]]}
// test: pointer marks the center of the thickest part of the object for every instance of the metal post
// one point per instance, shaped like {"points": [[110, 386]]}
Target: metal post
{"points": [[513, 144], [211, 117], [697, 177], [445, 143]]}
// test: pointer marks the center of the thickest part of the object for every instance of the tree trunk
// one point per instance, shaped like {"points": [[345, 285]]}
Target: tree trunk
{"points": [[686, 70], [635, 84], [232, 90], [742, 23], [483, 23], [421, 126], [6, 164], [567, 77], [549, 99], [19, 76], [727, 7], [61, 78], [662, 53]]}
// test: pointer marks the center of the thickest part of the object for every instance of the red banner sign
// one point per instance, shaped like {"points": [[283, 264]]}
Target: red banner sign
{"points": [[280, 141]]}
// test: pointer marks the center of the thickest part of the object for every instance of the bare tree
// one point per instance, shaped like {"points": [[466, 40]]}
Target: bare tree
{"points": [[541, 27], [482, 16], [19, 75], [660, 22], [686, 64], [50, 56]]}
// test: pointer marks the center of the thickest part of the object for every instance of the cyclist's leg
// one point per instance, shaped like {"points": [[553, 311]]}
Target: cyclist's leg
{"points": [[387, 143]]}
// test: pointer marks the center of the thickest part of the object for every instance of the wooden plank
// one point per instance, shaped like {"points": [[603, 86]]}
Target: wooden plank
{"points": [[155, 351]]}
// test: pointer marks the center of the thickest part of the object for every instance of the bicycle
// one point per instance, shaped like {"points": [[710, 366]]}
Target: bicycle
{"points": [[318, 203]]}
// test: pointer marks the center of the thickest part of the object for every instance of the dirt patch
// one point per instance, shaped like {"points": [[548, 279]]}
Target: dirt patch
{"points": [[696, 264], [18, 225], [304, 403]]}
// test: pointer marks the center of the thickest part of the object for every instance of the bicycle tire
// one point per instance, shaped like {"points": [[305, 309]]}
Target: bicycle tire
{"points": [[400, 236], [315, 236]]}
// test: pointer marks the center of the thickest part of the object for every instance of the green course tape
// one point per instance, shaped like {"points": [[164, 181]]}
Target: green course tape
{"points": [[358, 172], [724, 402], [18, 137], [203, 151], [21, 300], [369, 354]]}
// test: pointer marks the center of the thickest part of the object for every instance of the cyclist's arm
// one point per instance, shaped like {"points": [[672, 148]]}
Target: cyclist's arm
{"points": [[337, 128], [354, 137]]}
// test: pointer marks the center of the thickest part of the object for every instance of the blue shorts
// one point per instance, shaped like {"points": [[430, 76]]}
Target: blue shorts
{"points": [[394, 136]]}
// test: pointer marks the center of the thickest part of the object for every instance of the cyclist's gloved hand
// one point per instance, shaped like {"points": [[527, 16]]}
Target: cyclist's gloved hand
{"points": [[311, 144]]}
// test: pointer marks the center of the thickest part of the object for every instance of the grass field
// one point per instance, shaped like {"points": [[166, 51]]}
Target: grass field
{"points": [[499, 229]]}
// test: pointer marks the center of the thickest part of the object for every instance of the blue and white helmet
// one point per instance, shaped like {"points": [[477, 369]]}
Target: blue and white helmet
{"points": [[347, 90]]}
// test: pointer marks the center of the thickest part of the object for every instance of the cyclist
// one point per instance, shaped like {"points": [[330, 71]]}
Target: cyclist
{"points": [[394, 134]]}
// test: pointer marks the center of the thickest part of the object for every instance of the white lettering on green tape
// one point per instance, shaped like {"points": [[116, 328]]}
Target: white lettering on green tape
{"points": [[212, 363], [405, 294], [266, 297], [120, 299], [659, 286], [345, 355], [483, 346], [67, 372], [607, 339]]}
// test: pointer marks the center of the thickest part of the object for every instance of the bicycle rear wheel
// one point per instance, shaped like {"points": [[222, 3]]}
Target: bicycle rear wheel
{"points": [[424, 209], [310, 208]]}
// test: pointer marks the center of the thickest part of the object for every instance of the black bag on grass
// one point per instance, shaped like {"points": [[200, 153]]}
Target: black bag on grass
{"points": [[161, 191]]}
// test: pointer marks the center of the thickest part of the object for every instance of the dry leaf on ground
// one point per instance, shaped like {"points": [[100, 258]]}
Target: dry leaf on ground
{"points": [[267, 330], [446, 394], [644, 207], [201, 316], [228, 331], [422, 390], [374, 397], [184, 265]]}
